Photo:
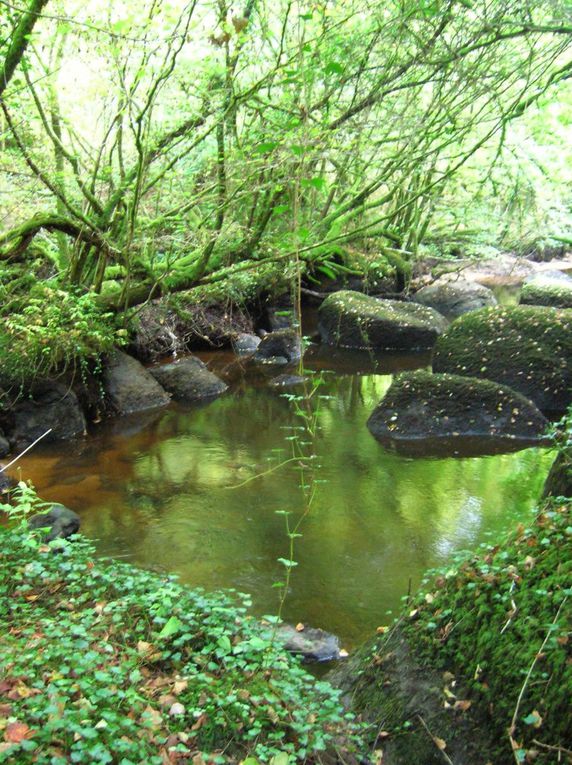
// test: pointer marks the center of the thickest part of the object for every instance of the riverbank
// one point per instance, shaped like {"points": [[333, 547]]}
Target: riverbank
{"points": [[106, 663], [478, 668]]}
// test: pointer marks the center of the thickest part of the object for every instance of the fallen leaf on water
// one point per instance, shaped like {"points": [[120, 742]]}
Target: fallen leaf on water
{"points": [[16, 732], [300, 627]]}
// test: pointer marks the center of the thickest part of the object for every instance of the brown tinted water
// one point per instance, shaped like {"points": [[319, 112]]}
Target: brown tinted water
{"points": [[157, 490]]}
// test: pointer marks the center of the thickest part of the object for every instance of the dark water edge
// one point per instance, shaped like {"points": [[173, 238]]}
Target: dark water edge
{"points": [[180, 490]]}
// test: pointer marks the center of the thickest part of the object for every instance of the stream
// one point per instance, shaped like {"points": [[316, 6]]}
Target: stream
{"points": [[180, 490]]}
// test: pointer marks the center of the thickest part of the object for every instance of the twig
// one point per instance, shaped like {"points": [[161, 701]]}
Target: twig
{"points": [[27, 449], [526, 679], [265, 472], [434, 740], [552, 748]]}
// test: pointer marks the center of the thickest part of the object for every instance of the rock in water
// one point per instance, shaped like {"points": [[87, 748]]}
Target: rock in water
{"points": [[454, 298], [280, 347], [60, 520], [188, 380], [353, 320], [50, 405], [528, 348], [129, 386], [310, 643], [430, 408], [244, 344], [548, 288]]}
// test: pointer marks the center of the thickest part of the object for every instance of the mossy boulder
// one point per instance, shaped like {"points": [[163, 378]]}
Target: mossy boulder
{"points": [[454, 298], [353, 320], [528, 348], [552, 288], [433, 408]]}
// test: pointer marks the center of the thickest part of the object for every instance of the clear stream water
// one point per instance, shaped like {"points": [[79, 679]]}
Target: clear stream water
{"points": [[157, 490]]}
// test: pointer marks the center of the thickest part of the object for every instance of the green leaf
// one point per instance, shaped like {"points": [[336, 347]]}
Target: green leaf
{"points": [[334, 68], [317, 183], [279, 209], [172, 626], [280, 759], [224, 643], [264, 148], [287, 563]]}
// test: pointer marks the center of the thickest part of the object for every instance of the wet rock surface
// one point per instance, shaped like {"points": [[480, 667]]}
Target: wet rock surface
{"points": [[129, 387], [312, 644], [244, 344], [188, 380], [286, 381], [352, 320], [280, 347], [50, 405], [454, 298], [528, 348], [429, 408], [60, 521]]}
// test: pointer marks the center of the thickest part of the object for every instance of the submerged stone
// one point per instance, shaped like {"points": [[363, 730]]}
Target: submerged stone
{"points": [[549, 288], [454, 298], [528, 348], [189, 380], [353, 320], [431, 408]]}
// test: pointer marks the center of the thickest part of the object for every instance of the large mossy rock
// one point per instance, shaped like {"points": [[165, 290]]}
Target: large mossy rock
{"points": [[528, 348], [551, 288], [189, 380], [454, 298], [429, 408], [129, 387], [353, 320]]}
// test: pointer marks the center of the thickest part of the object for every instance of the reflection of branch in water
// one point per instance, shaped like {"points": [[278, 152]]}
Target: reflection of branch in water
{"points": [[264, 473]]}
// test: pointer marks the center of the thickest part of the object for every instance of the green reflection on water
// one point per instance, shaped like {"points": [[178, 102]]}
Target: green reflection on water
{"points": [[163, 497]]}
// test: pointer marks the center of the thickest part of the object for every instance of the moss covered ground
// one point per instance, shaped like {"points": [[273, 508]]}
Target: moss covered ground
{"points": [[484, 656]]}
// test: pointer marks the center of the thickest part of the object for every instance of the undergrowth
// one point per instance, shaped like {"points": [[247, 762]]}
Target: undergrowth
{"points": [[500, 622], [53, 331], [105, 663]]}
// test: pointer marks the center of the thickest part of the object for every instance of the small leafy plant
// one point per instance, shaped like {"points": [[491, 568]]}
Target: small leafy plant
{"points": [[105, 663]]}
